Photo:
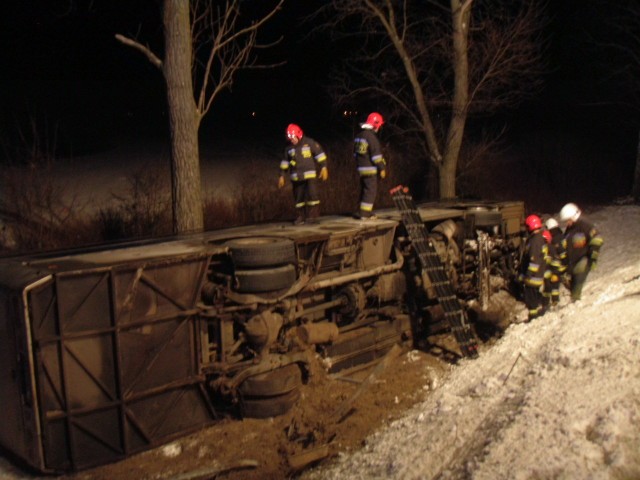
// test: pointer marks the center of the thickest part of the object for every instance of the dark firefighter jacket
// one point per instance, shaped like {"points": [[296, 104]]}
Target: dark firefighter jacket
{"points": [[300, 160], [557, 253], [581, 239], [368, 153], [534, 260]]}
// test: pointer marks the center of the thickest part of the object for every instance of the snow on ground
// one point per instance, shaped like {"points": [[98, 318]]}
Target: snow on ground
{"points": [[555, 398]]}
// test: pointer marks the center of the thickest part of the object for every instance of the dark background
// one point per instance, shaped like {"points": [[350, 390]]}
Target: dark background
{"points": [[66, 66], [65, 69]]}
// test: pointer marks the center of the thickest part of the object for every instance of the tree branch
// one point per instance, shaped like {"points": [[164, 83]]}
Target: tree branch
{"points": [[141, 48], [230, 47]]}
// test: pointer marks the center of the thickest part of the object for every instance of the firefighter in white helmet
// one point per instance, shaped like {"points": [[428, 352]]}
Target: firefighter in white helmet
{"points": [[582, 242], [554, 236], [370, 162]]}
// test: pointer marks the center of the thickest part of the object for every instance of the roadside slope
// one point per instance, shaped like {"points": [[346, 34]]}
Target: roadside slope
{"points": [[555, 398]]}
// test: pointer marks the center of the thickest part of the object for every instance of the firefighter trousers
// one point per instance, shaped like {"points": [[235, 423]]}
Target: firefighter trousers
{"points": [[579, 277], [534, 301], [305, 193], [368, 192]]}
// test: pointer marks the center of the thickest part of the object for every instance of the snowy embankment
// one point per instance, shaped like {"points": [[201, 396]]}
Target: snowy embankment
{"points": [[555, 398]]}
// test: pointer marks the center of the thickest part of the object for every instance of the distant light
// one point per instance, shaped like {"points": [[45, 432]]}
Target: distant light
{"points": [[253, 114]]}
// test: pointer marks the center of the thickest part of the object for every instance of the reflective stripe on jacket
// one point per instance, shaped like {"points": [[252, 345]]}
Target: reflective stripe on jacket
{"points": [[581, 239], [534, 260], [301, 160], [368, 153]]}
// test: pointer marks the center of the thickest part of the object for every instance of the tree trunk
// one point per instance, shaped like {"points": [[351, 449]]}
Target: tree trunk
{"points": [[460, 13], [184, 119], [447, 176], [636, 177]]}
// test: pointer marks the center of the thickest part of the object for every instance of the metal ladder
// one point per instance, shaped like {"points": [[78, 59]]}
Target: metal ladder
{"points": [[432, 266]]}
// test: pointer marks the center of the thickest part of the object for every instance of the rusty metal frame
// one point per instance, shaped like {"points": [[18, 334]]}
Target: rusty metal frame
{"points": [[55, 376]]}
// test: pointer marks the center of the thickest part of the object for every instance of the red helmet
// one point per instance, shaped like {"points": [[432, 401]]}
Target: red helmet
{"points": [[547, 235], [375, 120], [294, 130], [533, 222]]}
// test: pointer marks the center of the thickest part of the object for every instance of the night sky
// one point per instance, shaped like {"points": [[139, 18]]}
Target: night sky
{"points": [[65, 66]]}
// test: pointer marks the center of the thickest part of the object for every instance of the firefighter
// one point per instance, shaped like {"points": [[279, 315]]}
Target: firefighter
{"points": [[533, 267], [302, 159], [582, 243], [370, 162], [553, 235]]}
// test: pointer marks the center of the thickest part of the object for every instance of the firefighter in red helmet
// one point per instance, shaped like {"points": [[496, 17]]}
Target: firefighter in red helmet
{"points": [[302, 159], [533, 267], [370, 163]]}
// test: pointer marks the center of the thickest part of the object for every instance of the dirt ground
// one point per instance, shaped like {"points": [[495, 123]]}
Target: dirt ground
{"points": [[334, 414]]}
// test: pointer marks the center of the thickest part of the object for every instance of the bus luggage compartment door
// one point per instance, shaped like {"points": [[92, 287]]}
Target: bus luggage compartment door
{"points": [[114, 359]]}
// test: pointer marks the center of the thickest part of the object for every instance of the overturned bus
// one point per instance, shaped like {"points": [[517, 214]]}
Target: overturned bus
{"points": [[113, 350]]}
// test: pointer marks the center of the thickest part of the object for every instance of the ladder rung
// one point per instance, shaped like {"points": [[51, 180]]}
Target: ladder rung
{"points": [[432, 265]]}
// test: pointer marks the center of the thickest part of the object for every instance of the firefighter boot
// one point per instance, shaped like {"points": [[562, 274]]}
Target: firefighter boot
{"points": [[299, 216], [313, 213]]}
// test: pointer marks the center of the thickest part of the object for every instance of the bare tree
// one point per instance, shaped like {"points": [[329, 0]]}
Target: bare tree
{"points": [[433, 65], [206, 43]]}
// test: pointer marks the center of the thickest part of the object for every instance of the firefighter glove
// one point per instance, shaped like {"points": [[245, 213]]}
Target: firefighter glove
{"points": [[383, 174], [281, 182], [324, 174]]}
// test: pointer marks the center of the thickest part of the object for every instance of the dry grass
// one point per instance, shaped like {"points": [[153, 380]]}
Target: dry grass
{"points": [[36, 216], [143, 212], [34, 212]]}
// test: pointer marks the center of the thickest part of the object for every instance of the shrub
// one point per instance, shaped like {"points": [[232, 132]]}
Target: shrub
{"points": [[37, 213], [143, 212]]}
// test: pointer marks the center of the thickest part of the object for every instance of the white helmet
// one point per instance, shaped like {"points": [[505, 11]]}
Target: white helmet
{"points": [[570, 212], [551, 223]]}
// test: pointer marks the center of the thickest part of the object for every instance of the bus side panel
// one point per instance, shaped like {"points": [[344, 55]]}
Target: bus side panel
{"points": [[116, 361]]}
